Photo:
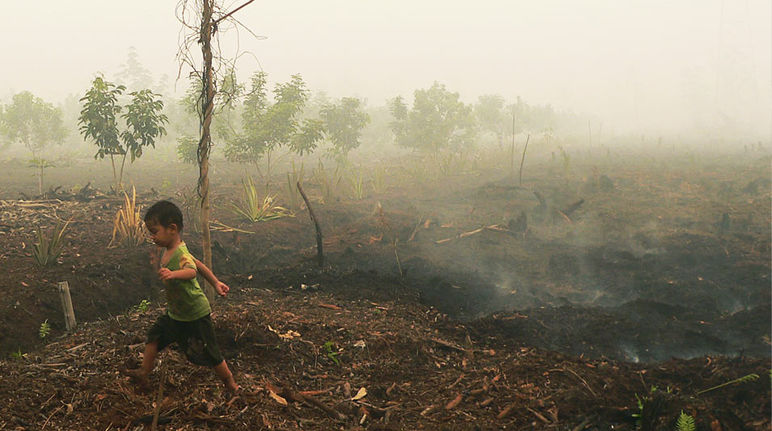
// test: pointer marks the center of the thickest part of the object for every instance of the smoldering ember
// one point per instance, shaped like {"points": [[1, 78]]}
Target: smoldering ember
{"points": [[434, 216]]}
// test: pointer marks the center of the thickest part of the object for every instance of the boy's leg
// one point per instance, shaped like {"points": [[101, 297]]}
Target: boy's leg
{"points": [[148, 358], [224, 373], [148, 362]]}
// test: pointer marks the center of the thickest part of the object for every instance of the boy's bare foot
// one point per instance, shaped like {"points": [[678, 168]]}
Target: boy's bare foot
{"points": [[233, 388], [137, 375]]}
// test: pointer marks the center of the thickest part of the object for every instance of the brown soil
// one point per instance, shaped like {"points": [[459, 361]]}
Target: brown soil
{"points": [[434, 298]]}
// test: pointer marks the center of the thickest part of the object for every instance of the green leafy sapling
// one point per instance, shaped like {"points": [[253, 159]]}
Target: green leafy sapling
{"points": [[143, 122], [36, 124]]}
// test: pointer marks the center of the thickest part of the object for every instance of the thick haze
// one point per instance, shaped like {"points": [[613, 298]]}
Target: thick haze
{"points": [[659, 66]]}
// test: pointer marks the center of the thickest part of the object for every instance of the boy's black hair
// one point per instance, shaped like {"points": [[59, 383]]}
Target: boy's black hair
{"points": [[164, 213]]}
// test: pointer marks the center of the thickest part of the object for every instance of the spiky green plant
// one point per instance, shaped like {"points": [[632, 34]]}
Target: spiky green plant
{"points": [[327, 181], [254, 209], [128, 226], [357, 183], [685, 422], [48, 249], [294, 177], [378, 181]]}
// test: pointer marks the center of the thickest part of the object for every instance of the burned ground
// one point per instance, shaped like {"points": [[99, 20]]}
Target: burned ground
{"points": [[466, 301]]}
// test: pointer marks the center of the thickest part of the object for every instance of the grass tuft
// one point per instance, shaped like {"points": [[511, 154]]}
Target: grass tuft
{"points": [[48, 249], [254, 209], [128, 227]]}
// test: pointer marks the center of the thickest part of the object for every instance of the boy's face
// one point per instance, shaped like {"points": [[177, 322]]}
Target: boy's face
{"points": [[162, 236]]}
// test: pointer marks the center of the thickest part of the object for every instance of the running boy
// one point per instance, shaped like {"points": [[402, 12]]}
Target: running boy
{"points": [[187, 319]]}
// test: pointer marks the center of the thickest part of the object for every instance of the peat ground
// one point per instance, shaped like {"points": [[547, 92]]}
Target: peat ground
{"points": [[447, 299]]}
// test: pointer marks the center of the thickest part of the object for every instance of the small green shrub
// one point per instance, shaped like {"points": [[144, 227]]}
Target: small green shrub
{"points": [[329, 348], [45, 329], [143, 306], [685, 423], [187, 149]]}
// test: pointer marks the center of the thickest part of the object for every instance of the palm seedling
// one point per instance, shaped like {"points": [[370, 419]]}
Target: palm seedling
{"points": [[357, 182], [128, 227], [378, 181], [254, 209], [48, 249], [294, 177], [327, 182]]}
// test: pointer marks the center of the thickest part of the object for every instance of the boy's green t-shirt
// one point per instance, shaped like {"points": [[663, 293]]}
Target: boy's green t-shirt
{"points": [[185, 301]]}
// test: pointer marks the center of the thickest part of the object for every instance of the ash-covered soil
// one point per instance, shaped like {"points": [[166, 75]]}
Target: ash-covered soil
{"points": [[466, 302], [352, 350]]}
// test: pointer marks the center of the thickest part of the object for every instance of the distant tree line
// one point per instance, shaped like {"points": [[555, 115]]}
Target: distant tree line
{"points": [[253, 120]]}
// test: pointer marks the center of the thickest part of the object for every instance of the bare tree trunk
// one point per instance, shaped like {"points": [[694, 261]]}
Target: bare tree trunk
{"points": [[120, 177], [267, 171], [115, 176], [512, 149], [523, 159], [40, 177], [206, 139]]}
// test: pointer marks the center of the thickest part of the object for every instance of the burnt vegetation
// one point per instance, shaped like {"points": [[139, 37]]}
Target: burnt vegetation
{"points": [[465, 265]]}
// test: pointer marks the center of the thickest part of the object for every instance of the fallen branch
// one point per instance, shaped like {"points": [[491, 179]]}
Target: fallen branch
{"points": [[454, 402], [307, 399], [448, 345], [507, 410], [584, 382], [582, 425], [573, 207], [158, 400], [493, 227], [458, 380], [415, 230], [538, 415], [396, 254]]}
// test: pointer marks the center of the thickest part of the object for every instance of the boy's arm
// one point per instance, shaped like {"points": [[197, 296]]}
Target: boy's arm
{"points": [[221, 288], [180, 274]]}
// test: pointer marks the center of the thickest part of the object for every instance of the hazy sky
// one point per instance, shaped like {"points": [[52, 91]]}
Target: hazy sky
{"points": [[653, 63]]}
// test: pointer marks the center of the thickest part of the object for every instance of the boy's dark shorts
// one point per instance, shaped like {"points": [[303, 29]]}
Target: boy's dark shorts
{"points": [[195, 338]]}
